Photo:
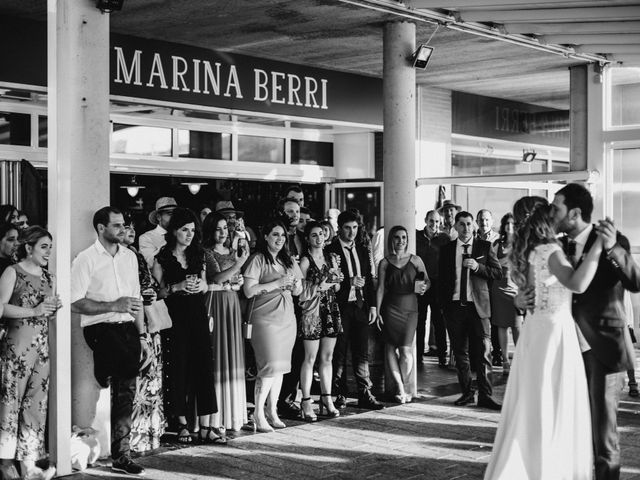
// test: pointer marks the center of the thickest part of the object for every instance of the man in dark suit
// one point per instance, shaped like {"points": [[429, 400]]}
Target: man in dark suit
{"points": [[428, 243], [465, 266], [355, 297], [599, 313]]}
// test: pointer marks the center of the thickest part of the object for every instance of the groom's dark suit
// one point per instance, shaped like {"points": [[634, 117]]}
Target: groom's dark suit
{"points": [[470, 322], [599, 312]]}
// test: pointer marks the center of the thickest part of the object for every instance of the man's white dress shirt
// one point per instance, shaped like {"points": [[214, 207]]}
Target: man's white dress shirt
{"points": [[150, 244], [99, 276], [459, 252]]}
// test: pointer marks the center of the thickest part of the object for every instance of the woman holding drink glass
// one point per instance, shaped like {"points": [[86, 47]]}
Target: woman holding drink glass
{"points": [[187, 353], [320, 321], [27, 293], [270, 279], [401, 276], [223, 264]]}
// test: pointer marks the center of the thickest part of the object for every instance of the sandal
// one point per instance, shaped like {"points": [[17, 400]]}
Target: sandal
{"points": [[184, 435], [211, 436]]}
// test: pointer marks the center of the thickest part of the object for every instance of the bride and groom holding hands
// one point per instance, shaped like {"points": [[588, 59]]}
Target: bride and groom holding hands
{"points": [[561, 401]]}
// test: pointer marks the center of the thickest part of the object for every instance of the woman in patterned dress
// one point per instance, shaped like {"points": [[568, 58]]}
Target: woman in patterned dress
{"points": [[320, 320], [147, 418], [223, 265], [27, 294]]}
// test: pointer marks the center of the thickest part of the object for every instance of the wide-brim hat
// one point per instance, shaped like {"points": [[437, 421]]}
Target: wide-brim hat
{"points": [[163, 204], [226, 207], [447, 204]]}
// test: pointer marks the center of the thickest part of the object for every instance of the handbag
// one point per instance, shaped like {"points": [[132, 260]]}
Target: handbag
{"points": [[157, 315], [247, 327]]}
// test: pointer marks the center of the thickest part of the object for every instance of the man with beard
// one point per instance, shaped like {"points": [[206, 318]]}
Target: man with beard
{"points": [[599, 314], [448, 212], [105, 290]]}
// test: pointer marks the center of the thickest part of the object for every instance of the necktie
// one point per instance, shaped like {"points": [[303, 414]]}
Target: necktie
{"points": [[464, 276], [571, 251], [354, 270]]}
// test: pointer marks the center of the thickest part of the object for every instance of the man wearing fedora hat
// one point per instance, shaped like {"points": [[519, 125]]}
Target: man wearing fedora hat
{"points": [[448, 212], [152, 241]]}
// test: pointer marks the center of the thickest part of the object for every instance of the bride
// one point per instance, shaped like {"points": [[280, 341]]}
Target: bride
{"points": [[545, 427]]}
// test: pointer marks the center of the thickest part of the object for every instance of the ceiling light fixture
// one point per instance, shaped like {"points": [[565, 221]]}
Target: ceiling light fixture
{"points": [[194, 187], [108, 6], [528, 155], [133, 187]]}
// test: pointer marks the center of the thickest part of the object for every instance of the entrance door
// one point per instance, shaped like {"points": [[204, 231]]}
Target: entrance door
{"points": [[366, 197]]}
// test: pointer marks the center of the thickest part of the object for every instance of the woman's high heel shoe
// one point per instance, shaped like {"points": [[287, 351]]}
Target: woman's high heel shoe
{"points": [[323, 406], [306, 416], [275, 421]]}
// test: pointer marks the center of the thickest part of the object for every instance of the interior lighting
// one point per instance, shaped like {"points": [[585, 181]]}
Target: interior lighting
{"points": [[108, 6], [193, 187], [420, 58], [528, 155], [133, 188]]}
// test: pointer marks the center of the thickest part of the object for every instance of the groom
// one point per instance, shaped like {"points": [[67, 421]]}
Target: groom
{"points": [[599, 314]]}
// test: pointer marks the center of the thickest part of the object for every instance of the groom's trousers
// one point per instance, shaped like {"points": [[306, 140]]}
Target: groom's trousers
{"points": [[604, 394]]}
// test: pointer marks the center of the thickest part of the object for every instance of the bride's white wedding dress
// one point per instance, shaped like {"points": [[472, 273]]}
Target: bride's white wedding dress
{"points": [[545, 428]]}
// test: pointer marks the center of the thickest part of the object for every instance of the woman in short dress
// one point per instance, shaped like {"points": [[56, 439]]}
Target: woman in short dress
{"points": [[271, 278], [504, 314], [186, 346], [320, 320], [223, 265], [147, 417], [27, 296], [397, 303]]}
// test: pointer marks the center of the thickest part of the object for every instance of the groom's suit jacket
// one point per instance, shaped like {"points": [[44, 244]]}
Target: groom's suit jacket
{"points": [[599, 311], [488, 269]]}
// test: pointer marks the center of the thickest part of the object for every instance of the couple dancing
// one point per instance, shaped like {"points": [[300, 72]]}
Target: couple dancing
{"points": [[560, 406]]}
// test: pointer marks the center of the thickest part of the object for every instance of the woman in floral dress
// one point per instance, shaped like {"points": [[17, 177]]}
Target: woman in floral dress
{"points": [[27, 294], [147, 418], [320, 321], [223, 264]]}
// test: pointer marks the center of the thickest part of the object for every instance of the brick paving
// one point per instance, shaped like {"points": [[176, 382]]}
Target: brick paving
{"points": [[427, 439]]}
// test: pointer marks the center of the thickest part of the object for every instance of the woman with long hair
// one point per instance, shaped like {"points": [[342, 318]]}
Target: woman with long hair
{"points": [[504, 315], [271, 277], [186, 346], [147, 417], [27, 294], [223, 264], [401, 276], [9, 213], [320, 321], [545, 427]]}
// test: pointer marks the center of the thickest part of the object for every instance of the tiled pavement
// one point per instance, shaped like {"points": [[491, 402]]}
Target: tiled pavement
{"points": [[429, 438]]}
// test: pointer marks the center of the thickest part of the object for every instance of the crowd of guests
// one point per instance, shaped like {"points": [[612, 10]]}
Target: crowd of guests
{"points": [[180, 317]]}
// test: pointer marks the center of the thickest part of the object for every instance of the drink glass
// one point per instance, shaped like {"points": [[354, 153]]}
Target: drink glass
{"points": [[192, 279], [147, 296]]}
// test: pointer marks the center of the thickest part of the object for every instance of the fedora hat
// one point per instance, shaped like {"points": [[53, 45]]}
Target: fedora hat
{"points": [[449, 203], [163, 204], [226, 206]]}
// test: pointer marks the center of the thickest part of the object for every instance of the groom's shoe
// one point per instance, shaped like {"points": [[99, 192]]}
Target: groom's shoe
{"points": [[488, 402], [465, 399]]}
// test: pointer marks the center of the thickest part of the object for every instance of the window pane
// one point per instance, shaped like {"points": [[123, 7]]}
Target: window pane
{"points": [[625, 96], [626, 193], [139, 140], [43, 133], [260, 149], [15, 128], [304, 152], [471, 165], [196, 144]]}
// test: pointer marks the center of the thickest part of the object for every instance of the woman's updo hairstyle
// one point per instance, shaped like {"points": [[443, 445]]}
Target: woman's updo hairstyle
{"points": [[30, 236]]}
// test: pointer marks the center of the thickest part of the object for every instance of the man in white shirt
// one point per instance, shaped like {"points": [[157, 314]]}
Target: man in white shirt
{"points": [[152, 241], [105, 290]]}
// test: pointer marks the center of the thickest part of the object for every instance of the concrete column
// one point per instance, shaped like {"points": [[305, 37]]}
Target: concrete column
{"points": [[399, 150], [78, 183], [587, 126]]}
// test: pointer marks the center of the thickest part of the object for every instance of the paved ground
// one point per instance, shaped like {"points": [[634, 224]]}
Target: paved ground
{"points": [[429, 438]]}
